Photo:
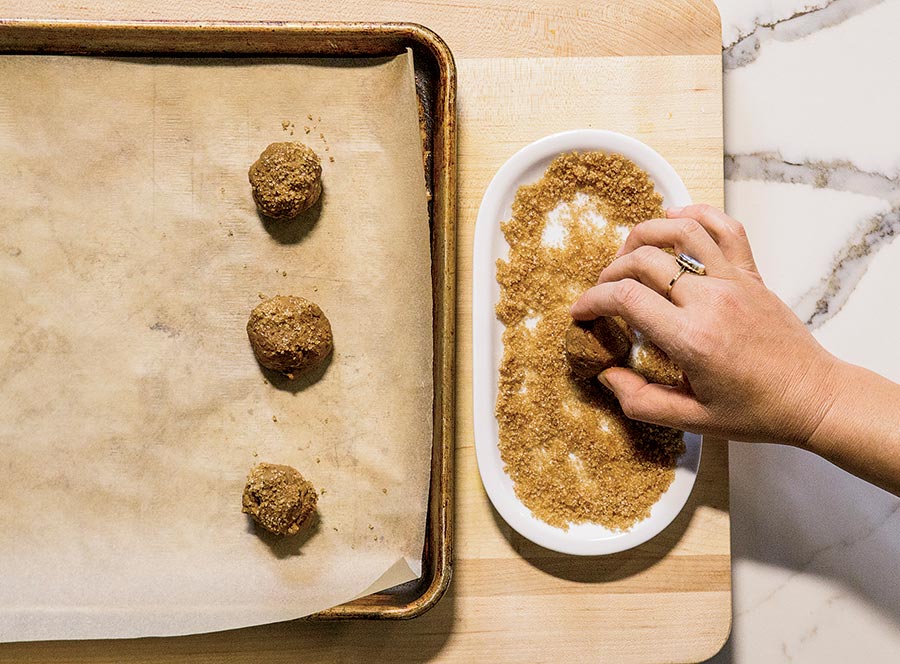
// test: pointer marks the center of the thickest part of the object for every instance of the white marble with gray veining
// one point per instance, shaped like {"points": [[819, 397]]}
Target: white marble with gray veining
{"points": [[812, 133]]}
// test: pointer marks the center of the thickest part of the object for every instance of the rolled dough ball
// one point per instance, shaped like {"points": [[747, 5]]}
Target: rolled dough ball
{"points": [[289, 334], [653, 364], [279, 498], [594, 346], [286, 180]]}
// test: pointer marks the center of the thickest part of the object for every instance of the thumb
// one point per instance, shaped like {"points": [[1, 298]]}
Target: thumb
{"points": [[650, 402]]}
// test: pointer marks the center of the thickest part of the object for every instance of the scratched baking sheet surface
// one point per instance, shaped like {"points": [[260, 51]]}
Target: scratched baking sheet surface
{"points": [[131, 407]]}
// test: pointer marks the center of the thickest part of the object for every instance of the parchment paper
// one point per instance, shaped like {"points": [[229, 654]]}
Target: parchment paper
{"points": [[131, 407]]}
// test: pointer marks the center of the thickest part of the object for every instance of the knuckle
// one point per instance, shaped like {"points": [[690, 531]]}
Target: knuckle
{"points": [[627, 293], [694, 341], [703, 209], [738, 229], [635, 236], [725, 297], [630, 406], [643, 255], [700, 344], [642, 407], [690, 228], [590, 298]]}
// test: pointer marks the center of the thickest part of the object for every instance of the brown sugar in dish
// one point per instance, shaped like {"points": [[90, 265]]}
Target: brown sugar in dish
{"points": [[279, 498], [289, 334], [572, 454], [286, 180]]}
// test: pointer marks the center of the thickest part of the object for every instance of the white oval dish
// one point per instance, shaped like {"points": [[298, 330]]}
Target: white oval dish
{"points": [[524, 167]]}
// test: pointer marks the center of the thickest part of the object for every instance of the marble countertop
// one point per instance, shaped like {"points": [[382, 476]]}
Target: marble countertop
{"points": [[812, 136]]}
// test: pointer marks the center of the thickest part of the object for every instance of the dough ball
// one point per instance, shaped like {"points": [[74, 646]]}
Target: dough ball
{"points": [[289, 334], [652, 363], [594, 346], [286, 180], [279, 498]]}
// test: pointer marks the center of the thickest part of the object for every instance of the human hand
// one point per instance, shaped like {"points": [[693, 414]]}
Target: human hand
{"points": [[753, 371]]}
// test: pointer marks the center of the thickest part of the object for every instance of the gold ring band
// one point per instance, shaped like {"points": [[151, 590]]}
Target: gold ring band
{"points": [[685, 264], [681, 271]]}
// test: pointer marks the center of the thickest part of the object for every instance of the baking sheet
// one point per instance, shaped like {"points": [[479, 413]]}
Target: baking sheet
{"points": [[131, 407]]}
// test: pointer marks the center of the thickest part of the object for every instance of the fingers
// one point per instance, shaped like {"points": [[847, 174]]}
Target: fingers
{"points": [[649, 402], [728, 233], [642, 308], [683, 235], [651, 266]]}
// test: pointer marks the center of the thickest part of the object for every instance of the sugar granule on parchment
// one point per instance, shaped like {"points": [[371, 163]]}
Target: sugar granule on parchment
{"points": [[571, 453]]}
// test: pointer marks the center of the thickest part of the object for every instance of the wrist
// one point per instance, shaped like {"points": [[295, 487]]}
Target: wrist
{"points": [[837, 391], [822, 403], [860, 429]]}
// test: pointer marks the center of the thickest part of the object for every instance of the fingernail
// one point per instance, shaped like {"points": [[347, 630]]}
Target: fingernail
{"points": [[604, 382], [620, 251], [675, 210]]}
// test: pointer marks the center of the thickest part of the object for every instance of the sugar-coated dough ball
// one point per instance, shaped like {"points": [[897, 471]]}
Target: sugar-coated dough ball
{"points": [[279, 498], [652, 363], [594, 346], [289, 334], [286, 180]]}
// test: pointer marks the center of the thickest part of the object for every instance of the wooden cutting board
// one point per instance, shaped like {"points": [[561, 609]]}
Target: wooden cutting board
{"points": [[648, 68]]}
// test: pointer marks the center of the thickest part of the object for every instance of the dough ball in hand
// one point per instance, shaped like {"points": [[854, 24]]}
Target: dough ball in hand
{"points": [[653, 364], [279, 498], [286, 180], [289, 334], [594, 346]]}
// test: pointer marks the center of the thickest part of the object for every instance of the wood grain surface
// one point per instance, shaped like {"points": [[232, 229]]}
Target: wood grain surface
{"points": [[472, 28], [511, 601]]}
